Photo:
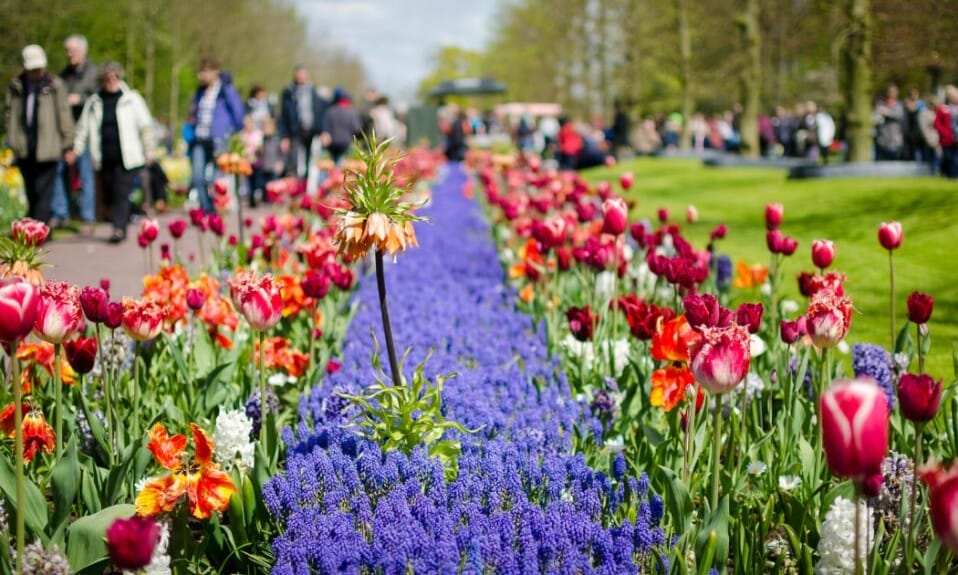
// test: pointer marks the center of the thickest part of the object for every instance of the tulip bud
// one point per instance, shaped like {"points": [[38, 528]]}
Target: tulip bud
{"points": [[333, 366], [920, 306], [792, 330], [114, 315], [789, 245], [614, 216], [142, 241], [721, 362], [749, 316], [773, 240], [890, 235], [131, 542], [943, 487], [105, 285], [920, 396], [215, 222], [823, 253], [18, 308], [626, 180], [165, 252], [81, 353], [773, 216], [855, 428], [195, 299]]}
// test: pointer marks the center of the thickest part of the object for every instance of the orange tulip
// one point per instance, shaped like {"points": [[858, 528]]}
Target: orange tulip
{"points": [[673, 339], [747, 276], [37, 434], [669, 385]]}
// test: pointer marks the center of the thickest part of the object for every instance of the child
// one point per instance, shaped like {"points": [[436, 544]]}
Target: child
{"points": [[269, 162]]}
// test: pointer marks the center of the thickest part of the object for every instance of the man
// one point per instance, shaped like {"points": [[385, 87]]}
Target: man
{"points": [[39, 129], [216, 113], [80, 79], [301, 118]]}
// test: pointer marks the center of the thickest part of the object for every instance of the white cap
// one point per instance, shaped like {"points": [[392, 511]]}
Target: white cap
{"points": [[34, 58]]}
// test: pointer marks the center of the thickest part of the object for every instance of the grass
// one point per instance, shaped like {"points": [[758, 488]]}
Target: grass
{"points": [[846, 211]]}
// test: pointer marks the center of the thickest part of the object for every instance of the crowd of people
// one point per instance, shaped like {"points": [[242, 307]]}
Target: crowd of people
{"points": [[87, 129]]}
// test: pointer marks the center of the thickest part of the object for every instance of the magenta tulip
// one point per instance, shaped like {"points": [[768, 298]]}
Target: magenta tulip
{"points": [[890, 235], [721, 362], [131, 542], [920, 306], [773, 216], [855, 428], [823, 253], [59, 314], [920, 396], [18, 308], [615, 215], [943, 485]]}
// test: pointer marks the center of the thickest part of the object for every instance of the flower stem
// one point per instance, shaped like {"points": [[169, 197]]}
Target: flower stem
{"points": [[58, 391], [136, 390], [859, 564], [107, 395], [716, 451], [913, 505], [690, 434], [891, 301], [18, 456], [263, 407], [387, 327], [921, 356], [312, 337], [239, 208]]}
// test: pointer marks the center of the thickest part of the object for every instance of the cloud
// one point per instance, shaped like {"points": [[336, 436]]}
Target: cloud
{"points": [[395, 39]]}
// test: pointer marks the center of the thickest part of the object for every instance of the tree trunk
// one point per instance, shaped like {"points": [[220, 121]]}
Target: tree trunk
{"points": [[858, 88], [685, 71], [751, 78]]}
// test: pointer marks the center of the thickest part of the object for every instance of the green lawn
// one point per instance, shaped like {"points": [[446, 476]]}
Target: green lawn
{"points": [[846, 211]]}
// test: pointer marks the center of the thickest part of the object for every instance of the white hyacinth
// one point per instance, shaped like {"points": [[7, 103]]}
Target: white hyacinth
{"points": [[585, 352], [837, 545], [160, 562], [232, 440], [604, 285]]}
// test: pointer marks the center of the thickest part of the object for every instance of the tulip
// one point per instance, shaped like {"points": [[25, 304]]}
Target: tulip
{"points": [[615, 215], [773, 240], [920, 396], [663, 215], [789, 245], [177, 228], [258, 299], [582, 322], [131, 542], [705, 311], [215, 222], [315, 285], [626, 180], [81, 353], [829, 317], [94, 302], [165, 252], [29, 232], [773, 216], [198, 218], [872, 485], [142, 241], [890, 235], [719, 232], [114, 315], [150, 229], [59, 314], [721, 361], [749, 315], [142, 319], [855, 428], [823, 253], [195, 299], [792, 330], [943, 485], [691, 214], [920, 306], [105, 285], [18, 308]]}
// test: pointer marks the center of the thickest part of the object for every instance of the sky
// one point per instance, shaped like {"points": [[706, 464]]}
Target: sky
{"points": [[396, 38]]}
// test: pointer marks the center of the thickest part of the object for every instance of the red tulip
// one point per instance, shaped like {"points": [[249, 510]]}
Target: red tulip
{"points": [[198, 218], [333, 366], [29, 232], [114, 315], [258, 299], [855, 428], [582, 322], [215, 222], [195, 299], [823, 253], [721, 361], [165, 252], [773, 216], [59, 314], [142, 241], [749, 316], [615, 215], [890, 235], [626, 180], [719, 232], [920, 396], [705, 311], [131, 542], [149, 229], [18, 308], [943, 485], [142, 319], [919, 307], [789, 245], [773, 240], [81, 353], [663, 215], [315, 285], [551, 232], [94, 302], [829, 317], [177, 228], [792, 330], [638, 232], [105, 285], [872, 485]]}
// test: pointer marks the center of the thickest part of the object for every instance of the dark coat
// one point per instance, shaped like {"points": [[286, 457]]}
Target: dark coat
{"points": [[289, 124]]}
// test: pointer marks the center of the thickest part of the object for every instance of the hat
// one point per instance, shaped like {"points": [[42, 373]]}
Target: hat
{"points": [[34, 58]]}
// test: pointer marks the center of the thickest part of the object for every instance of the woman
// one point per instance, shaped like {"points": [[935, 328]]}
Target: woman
{"points": [[117, 129]]}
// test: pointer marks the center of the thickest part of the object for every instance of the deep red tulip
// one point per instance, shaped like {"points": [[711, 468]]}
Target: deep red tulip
{"points": [[871, 487], [131, 542], [749, 316], [719, 232], [943, 485], [920, 397], [663, 215], [18, 308], [773, 216], [890, 235], [114, 315], [792, 330], [165, 252], [855, 428], [920, 306], [215, 223], [195, 299], [721, 362], [704, 310], [94, 302], [582, 322], [315, 285], [823, 253], [81, 353]]}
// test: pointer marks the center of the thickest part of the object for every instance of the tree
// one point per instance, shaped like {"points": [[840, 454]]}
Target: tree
{"points": [[858, 81], [751, 77]]}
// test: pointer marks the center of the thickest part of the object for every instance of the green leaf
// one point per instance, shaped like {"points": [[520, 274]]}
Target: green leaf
{"points": [[35, 505], [712, 543], [65, 481], [679, 502], [85, 536]]}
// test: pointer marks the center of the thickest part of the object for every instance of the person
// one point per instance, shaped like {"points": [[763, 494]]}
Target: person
{"points": [[458, 129], [251, 139], [570, 144], [915, 148], [301, 118], [621, 130], [216, 113], [39, 129], [79, 76], [258, 105], [945, 126], [269, 161], [341, 124], [384, 123], [889, 129], [116, 128], [824, 133], [929, 135]]}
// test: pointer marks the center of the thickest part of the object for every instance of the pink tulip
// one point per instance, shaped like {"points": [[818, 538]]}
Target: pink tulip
{"points": [[131, 542], [789, 245], [59, 314], [691, 214], [855, 428], [663, 215], [943, 485], [721, 361], [704, 310], [890, 235], [614, 216], [823, 253], [920, 397], [829, 317], [29, 232], [551, 232], [792, 330], [177, 228], [18, 308], [920, 306], [773, 216], [626, 180], [142, 319], [150, 229], [258, 299], [114, 315], [195, 299]]}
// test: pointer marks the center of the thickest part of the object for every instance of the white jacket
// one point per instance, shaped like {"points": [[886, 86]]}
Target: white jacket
{"points": [[134, 123]]}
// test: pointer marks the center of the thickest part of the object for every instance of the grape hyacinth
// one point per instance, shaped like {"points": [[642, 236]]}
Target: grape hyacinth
{"points": [[522, 500], [870, 360]]}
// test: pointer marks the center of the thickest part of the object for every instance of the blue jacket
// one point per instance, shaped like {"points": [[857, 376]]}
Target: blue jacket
{"points": [[229, 111]]}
